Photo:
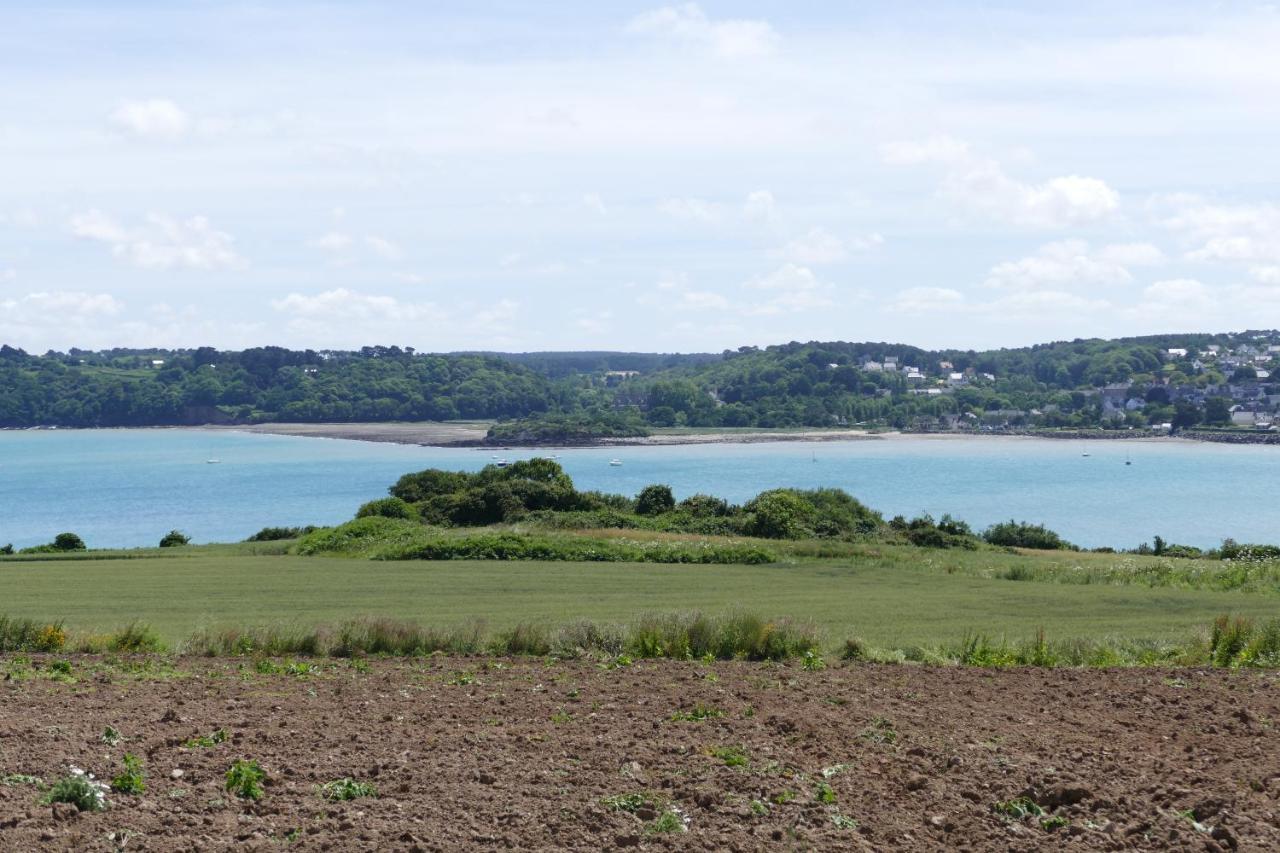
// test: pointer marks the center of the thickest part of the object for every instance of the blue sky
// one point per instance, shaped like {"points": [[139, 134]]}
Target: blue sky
{"points": [[634, 175]]}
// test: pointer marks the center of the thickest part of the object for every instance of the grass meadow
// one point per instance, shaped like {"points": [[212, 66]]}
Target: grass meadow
{"points": [[890, 596]]}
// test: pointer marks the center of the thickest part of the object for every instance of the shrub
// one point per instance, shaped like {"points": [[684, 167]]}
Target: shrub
{"points": [[245, 778], [5, 550], [28, 635], [779, 514], [705, 506], [174, 538], [392, 507], [136, 637], [68, 542], [1022, 534], [81, 790], [275, 534], [655, 500]]}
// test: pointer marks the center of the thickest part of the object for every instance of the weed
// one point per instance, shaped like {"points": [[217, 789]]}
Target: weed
{"points": [[111, 736], [61, 667], [1018, 808], [625, 802], [344, 789], [758, 808], [245, 778], [14, 779], [834, 770], [136, 638], [462, 679], [131, 780], [670, 820], [561, 716], [843, 822], [785, 797], [854, 649], [880, 730], [732, 756], [824, 794], [206, 741], [812, 662], [81, 790], [1053, 822], [697, 714], [360, 666]]}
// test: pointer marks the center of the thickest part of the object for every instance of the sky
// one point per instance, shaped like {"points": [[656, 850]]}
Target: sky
{"points": [[634, 176]]}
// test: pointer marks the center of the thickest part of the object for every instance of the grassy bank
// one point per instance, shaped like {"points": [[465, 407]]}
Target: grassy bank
{"points": [[890, 596]]}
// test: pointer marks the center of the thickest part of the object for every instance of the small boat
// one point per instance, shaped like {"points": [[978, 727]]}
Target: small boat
{"points": [[1127, 460], [616, 463], [212, 461], [502, 463]]}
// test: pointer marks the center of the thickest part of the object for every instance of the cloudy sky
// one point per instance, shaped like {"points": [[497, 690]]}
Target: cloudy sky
{"points": [[610, 175]]}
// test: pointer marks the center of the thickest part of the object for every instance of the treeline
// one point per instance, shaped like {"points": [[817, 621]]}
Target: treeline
{"points": [[578, 396], [133, 388]]}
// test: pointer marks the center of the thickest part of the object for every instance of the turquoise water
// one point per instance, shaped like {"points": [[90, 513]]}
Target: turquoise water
{"points": [[121, 488]]}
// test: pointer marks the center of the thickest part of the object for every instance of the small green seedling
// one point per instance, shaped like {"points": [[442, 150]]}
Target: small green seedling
{"points": [[1018, 808], [732, 756], [697, 714], [206, 741], [340, 790], [111, 736], [824, 794], [245, 779], [131, 780]]}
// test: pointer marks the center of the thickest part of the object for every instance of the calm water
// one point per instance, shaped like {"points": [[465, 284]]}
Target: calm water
{"points": [[129, 487]]}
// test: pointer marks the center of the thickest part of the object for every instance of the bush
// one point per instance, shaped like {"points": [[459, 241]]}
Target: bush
{"points": [[174, 538], [655, 500], [6, 549], [68, 542], [779, 514], [135, 638], [81, 790], [275, 534], [392, 507], [705, 506], [28, 635], [1022, 534], [130, 780]]}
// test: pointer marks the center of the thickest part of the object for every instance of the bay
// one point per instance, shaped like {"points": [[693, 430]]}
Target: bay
{"points": [[127, 488]]}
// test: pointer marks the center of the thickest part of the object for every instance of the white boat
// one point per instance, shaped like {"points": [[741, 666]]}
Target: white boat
{"points": [[212, 461], [502, 463], [616, 463]]}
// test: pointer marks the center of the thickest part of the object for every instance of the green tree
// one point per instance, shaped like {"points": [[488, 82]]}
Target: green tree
{"points": [[655, 500]]}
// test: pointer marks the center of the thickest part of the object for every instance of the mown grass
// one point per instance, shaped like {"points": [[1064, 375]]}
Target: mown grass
{"points": [[891, 596]]}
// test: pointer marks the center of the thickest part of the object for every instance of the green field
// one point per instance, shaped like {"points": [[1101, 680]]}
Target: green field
{"points": [[890, 597]]}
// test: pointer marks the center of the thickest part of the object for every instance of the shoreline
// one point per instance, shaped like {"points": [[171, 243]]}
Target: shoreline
{"points": [[471, 435]]}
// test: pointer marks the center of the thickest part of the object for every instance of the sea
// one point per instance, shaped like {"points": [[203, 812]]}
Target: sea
{"points": [[127, 488]]}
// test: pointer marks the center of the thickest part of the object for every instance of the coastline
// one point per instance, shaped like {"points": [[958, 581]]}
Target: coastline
{"points": [[459, 434]]}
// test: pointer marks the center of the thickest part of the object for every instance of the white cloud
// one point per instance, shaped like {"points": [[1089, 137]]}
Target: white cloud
{"points": [[794, 288], [1178, 294], [1071, 262], [334, 241], [60, 305], [343, 305], [701, 300], [981, 185], [1266, 274], [1248, 233], [1036, 304], [923, 300], [594, 202], [759, 206], [819, 246], [157, 118], [694, 209], [935, 149], [8, 274], [161, 243], [729, 38], [383, 248]]}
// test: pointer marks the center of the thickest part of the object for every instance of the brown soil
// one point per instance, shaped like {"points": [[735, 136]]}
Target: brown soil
{"points": [[483, 754]]}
